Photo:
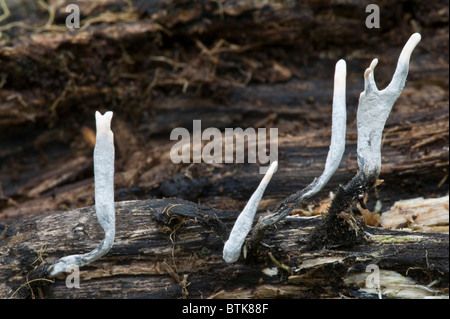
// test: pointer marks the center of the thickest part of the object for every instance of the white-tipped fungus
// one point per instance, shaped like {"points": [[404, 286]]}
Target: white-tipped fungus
{"points": [[243, 224], [104, 197], [374, 108], [338, 129], [335, 153]]}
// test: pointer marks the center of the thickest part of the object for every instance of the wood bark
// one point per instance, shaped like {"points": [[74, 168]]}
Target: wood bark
{"points": [[173, 249], [160, 65]]}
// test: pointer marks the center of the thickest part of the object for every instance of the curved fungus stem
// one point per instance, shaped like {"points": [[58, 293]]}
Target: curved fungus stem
{"points": [[104, 197]]}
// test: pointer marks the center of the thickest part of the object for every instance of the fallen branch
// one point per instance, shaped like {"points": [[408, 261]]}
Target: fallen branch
{"points": [[157, 244]]}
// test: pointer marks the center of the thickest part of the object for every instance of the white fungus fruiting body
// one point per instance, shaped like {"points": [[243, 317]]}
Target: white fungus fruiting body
{"points": [[104, 176], [243, 224], [374, 108], [373, 111], [335, 153], [104, 197], [338, 129]]}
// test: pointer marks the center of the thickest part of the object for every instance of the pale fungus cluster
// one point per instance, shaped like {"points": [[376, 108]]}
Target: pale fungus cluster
{"points": [[373, 110]]}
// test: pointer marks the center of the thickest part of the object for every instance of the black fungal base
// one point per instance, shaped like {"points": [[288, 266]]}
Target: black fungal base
{"points": [[337, 231], [339, 228]]}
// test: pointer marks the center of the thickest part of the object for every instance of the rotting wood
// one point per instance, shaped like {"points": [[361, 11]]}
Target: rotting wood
{"points": [[426, 215], [162, 64], [302, 158], [155, 245], [166, 63]]}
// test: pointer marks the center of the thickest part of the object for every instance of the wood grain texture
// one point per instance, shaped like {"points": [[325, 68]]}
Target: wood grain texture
{"points": [[162, 245], [161, 64]]}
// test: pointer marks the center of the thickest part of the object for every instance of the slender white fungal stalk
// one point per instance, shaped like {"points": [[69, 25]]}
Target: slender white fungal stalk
{"points": [[104, 197], [374, 108], [335, 153], [243, 224], [104, 176], [338, 129]]}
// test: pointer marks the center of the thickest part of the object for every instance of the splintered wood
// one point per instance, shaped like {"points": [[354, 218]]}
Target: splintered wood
{"points": [[427, 215], [145, 263], [263, 64]]}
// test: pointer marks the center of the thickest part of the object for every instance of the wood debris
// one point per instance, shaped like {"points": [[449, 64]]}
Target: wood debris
{"points": [[426, 215]]}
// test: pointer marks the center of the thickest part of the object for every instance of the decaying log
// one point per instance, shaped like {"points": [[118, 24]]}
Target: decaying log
{"points": [[149, 172], [426, 215], [173, 249], [161, 64]]}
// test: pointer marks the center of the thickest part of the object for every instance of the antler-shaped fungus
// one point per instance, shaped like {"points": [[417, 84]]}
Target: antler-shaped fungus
{"points": [[104, 197], [373, 110]]}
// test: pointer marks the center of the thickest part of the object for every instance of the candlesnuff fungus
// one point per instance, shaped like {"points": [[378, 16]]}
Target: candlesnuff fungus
{"points": [[104, 197], [243, 224], [373, 110], [337, 148], [338, 129]]}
